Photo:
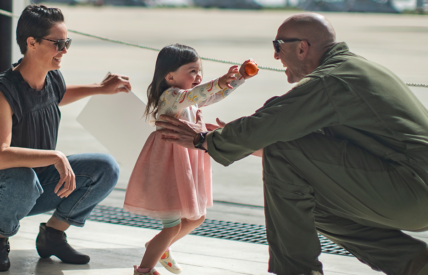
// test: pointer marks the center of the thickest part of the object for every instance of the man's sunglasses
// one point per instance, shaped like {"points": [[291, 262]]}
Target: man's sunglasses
{"points": [[60, 44], [277, 43]]}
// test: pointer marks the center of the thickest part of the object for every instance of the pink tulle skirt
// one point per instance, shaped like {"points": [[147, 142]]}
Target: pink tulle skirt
{"points": [[169, 180]]}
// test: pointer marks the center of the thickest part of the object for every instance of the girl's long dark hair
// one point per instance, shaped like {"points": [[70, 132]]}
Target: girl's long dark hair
{"points": [[170, 58]]}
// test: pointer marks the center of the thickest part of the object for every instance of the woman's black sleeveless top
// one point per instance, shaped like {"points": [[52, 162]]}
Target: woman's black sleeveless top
{"points": [[36, 115]]}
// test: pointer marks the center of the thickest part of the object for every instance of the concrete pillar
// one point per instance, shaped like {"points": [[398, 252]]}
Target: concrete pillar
{"points": [[9, 50], [18, 7], [5, 36], [420, 6]]}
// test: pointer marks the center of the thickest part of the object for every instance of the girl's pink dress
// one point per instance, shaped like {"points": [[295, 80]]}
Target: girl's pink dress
{"points": [[168, 180]]}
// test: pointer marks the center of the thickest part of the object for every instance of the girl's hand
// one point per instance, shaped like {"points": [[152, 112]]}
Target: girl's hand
{"points": [[212, 127], [242, 69], [115, 83], [225, 80]]}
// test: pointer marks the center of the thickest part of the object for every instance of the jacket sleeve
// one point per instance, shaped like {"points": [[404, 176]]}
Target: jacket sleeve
{"points": [[299, 112]]}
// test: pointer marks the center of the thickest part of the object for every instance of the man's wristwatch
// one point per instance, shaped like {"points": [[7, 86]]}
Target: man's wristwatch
{"points": [[199, 140]]}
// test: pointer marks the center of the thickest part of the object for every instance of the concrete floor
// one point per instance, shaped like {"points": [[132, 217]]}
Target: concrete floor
{"points": [[396, 41], [114, 249]]}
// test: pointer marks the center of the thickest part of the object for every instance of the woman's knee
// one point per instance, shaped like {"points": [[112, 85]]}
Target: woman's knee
{"points": [[19, 190], [21, 184], [109, 167], [102, 169]]}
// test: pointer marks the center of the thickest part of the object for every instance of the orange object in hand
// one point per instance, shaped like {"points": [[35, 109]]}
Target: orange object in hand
{"points": [[251, 68]]}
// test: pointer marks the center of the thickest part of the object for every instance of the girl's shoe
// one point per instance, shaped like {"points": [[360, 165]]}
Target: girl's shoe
{"points": [[153, 271], [168, 261]]}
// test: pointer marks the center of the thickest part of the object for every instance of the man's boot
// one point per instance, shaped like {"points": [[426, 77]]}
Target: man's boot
{"points": [[52, 242], [4, 254]]}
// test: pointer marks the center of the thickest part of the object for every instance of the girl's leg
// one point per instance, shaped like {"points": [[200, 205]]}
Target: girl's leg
{"points": [[165, 257], [157, 246], [187, 226]]}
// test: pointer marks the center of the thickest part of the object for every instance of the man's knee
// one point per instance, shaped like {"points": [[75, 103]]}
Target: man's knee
{"points": [[412, 217]]}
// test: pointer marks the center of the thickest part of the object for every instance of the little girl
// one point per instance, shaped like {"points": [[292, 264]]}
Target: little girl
{"points": [[170, 182]]}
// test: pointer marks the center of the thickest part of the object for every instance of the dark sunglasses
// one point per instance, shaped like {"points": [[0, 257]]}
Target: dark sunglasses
{"points": [[60, 44], [277, 43]]}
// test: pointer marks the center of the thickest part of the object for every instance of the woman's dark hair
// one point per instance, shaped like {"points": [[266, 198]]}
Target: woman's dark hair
{"points": [[169, 59], [36, 21]]}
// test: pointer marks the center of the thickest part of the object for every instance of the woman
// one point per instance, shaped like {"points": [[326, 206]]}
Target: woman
{"points": [[34, 177]]}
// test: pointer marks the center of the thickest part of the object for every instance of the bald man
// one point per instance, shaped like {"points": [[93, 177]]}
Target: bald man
{"points": [[345, 154]]}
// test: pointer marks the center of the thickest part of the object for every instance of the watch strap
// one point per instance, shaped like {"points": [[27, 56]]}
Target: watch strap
{"points": [[199, 141]]}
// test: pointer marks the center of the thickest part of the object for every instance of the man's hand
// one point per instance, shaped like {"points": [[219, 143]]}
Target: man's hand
{"points": [[67, 178], [179, 131], [200, 124], [115, 83]]}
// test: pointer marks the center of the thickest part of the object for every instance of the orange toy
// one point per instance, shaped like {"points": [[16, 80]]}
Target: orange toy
{"points": [[251, 68]]}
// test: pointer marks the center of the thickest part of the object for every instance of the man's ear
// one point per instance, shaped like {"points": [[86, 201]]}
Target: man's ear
{"points": [[303, 49], [31, 42], [170, 78]]}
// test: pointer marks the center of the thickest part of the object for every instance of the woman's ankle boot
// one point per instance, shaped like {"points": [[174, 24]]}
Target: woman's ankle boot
{"points": [[4, 254], [52, 242]]}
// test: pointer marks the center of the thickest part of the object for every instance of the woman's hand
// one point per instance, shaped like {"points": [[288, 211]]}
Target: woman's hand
{"points": [[67, 178], [115, 83], [112, 84], [224, 81]]}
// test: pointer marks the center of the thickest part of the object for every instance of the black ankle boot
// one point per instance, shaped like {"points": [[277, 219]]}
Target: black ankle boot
{"points": [[4, 254], [52, 242]]}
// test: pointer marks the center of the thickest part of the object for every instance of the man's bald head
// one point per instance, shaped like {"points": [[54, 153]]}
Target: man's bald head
{"points": [[303, 57], [312, 27]]}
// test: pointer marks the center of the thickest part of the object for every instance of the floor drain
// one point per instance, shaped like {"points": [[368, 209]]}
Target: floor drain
{"points": [[236, 231]]}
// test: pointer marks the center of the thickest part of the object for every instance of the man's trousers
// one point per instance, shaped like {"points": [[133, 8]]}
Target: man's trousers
{"points": [[356, 199]]}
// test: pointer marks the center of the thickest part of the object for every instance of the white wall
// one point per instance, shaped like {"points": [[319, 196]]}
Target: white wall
{"points": [[403, 5]]}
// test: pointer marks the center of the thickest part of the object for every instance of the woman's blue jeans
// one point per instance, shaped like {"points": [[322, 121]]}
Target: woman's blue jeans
{"points": [[23, 192]]}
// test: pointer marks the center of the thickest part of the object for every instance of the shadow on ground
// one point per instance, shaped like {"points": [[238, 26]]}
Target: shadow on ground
{"points": [[29, 262]]}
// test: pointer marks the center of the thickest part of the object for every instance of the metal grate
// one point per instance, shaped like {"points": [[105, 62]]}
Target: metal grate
{"points": [[236, 231]]}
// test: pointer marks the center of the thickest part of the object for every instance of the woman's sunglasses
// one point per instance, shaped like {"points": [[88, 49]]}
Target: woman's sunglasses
{"points": [[60, 44], [277, 43]]}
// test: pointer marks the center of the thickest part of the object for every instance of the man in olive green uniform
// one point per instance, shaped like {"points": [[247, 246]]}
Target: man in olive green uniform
{"points": [[345, 154]]}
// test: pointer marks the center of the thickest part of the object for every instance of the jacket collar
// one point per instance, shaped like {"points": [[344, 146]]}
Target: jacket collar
{"points": [[338, 48]]}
